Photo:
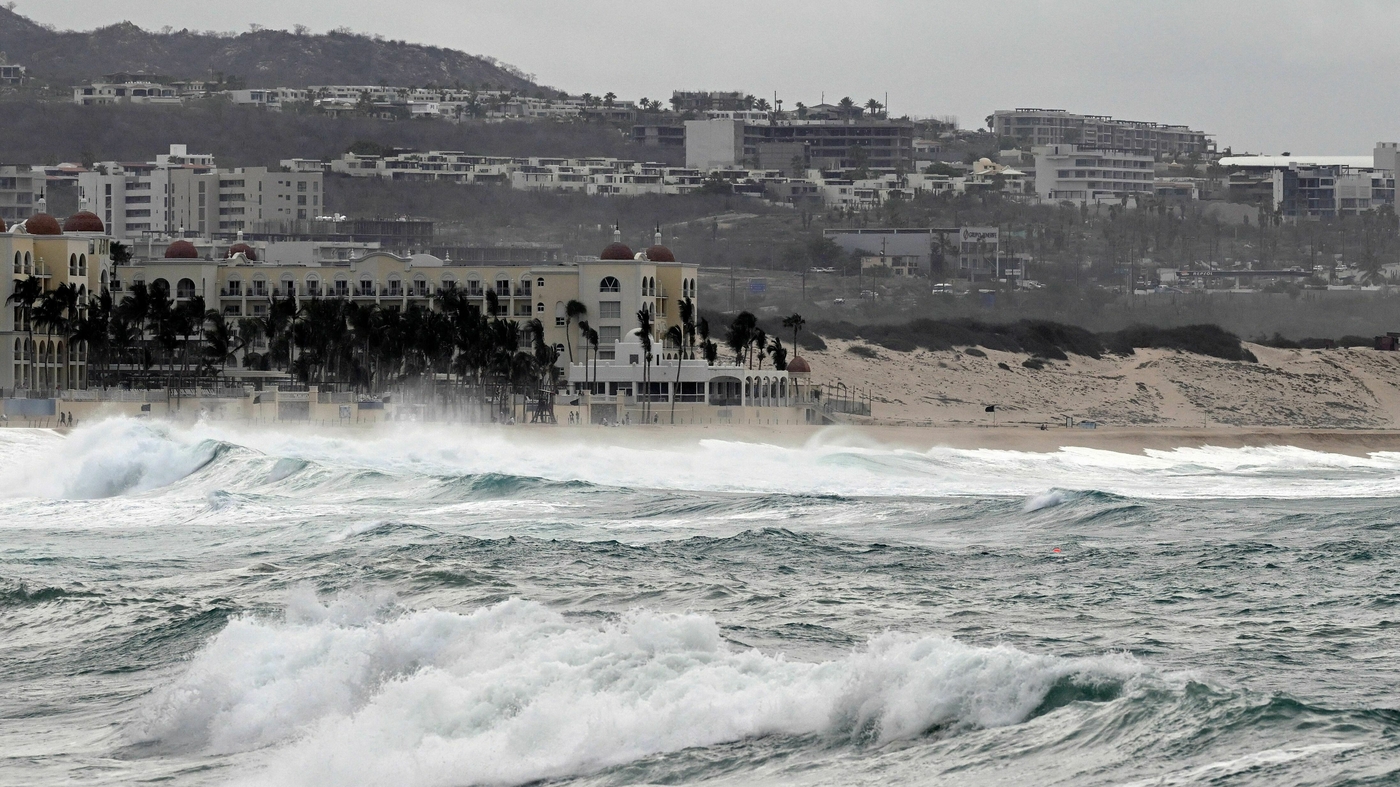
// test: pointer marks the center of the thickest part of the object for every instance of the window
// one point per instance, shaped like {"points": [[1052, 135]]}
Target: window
{"points": [[524, 288], [539, 282], [313, 286], [503, 288], [610, 310], [184, 289], [342, 288], [691, 392], [607, 334], [235, 287], [609, 284], [539, 307]]}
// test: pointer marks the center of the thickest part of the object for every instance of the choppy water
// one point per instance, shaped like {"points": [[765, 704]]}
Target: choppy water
{"points": [[454, 607]]}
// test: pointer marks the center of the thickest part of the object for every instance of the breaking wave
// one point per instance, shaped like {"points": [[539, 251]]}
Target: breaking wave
{"points": [[125, 456], [516, 692]]}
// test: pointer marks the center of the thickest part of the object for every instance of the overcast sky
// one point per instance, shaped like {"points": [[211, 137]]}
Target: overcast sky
{"points": [[1263, 76]]}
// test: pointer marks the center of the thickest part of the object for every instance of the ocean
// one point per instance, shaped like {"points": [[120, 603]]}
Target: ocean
{"points": [[210, 605]]}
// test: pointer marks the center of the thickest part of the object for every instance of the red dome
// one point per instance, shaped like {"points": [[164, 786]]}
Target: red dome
{"points": [[245, 250], [799, 365], [617, 251], [659, 253], [181, 250], [42, 224], [83, 221]]}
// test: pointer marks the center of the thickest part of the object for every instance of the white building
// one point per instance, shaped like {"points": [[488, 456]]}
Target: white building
{"points": [[182, 193], [273, 98], [133, 92], [1088, 175]]}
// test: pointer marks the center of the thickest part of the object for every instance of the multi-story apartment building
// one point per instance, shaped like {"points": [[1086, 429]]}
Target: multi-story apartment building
{"points": [[20, 191], [824, 144], [1317, 191], [129, 92], [273, 98], [1058, 127], [180, 192], [77, 254], [1083, 174]]}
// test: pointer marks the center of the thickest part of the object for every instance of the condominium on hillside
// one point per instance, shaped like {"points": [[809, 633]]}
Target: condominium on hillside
{"points": [[721, 141], [1056, 127], [180, 192], [1085, 174]]}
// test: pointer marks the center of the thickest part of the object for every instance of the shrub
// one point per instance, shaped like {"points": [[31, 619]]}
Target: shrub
{"points": [[862, 351]]}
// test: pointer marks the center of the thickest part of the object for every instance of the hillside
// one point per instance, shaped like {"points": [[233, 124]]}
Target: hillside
{"points": [[262, 58], [38, 132]]}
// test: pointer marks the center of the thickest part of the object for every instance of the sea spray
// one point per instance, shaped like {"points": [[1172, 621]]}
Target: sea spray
{"points": [[515, 692]]}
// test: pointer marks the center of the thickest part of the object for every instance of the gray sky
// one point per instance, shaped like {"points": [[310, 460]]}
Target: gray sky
{"points": [[1305, 77]]}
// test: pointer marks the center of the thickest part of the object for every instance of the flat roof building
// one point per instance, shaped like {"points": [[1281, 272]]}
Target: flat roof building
{"points": [[1056, 126]]}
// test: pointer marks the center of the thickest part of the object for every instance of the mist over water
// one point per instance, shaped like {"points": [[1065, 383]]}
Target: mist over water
{"points": [[205, 605]]}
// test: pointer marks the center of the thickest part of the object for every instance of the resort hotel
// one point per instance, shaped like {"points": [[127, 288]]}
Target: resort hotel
{"points": [[607, 380]]}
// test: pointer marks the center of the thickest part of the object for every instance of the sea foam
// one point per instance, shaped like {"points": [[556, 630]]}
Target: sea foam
{"points": [[515, 692]]}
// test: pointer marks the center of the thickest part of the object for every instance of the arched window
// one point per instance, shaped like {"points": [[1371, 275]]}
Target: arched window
{"points": [[342, 286], [420, 285], [365, 285], [160, 288], [560, 317], [184, 288], [103, 280], [289, 286], [539, 307], [450, 282], [28, 263], [82, 264], [395, 286], [502, 287], [313, 285], [539, 282], [18, 265], [525, 286], [72, 265], [259, 286], [609, 284]]}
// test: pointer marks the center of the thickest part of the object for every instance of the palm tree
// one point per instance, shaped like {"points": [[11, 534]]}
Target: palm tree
{"points": [[847, 107], [572, 311], [644, 334], [873, 107], [779, 353], [741, 336], [710, 350], [686, 307], [593, 342], [760, 341], [27, 292], [676, 335], [795, 322]]}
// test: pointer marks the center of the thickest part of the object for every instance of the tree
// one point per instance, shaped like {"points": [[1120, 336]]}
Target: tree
{"points": [[873, 107], [740, 336], [26, 294], [644, 334], [572, 310], [676, 335], [760, 342], [609, 98], [779, 353], [795, 322], [848, 108]]}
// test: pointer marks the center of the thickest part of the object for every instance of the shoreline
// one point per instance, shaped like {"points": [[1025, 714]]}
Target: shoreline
{"points": [[1132, 440]]}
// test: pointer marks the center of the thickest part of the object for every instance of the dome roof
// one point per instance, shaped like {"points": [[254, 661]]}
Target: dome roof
{"points": [[42, 224], [659, 253], [245, 250], [616, 251], [799, 365], [83, 221], [181, 250]]}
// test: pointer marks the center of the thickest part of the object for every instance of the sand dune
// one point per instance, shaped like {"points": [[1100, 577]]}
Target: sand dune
{"points": [[1334, 389]]}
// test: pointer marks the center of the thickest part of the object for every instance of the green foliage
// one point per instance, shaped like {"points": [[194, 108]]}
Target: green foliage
{"points": [[1209, 340]]}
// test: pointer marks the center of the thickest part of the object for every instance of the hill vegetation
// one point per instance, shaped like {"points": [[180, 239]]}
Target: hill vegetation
{"points": [[258, 58], [1038, 338], [50, 132]]}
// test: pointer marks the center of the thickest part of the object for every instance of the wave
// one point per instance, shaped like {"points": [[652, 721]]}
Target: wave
{"points": [[125, 456], [516, 692]]}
